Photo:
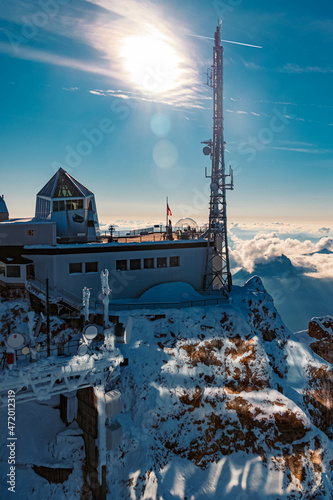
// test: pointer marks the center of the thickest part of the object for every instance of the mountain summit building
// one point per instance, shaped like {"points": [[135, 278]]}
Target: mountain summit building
{"points": [[71, 206], [63, 243]]}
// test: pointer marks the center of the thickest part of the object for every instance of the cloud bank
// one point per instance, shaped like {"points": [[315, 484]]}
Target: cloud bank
{"points": [[265, 247]]}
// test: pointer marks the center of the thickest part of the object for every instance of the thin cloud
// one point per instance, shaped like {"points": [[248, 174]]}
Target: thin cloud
{"points": [[177, 101], [237, 111], [295, 68], [70, 89], [104, 27], [303, 150], [283, 103], [32, 54]]}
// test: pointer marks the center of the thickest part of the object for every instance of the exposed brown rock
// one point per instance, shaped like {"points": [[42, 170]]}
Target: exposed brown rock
{"points": [[321, 329], [319, 396], [193, 401], [203, 352]]}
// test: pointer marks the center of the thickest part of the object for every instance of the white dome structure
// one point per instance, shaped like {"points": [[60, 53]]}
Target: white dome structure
{"points": [[186, 224]]}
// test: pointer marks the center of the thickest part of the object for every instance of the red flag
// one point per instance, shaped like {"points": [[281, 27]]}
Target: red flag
{"points": [[168, 210]]}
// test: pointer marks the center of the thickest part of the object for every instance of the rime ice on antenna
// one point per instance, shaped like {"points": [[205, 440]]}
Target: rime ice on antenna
{"points": [[217, 273], [85, 301], [31, 327], [106, 292]]}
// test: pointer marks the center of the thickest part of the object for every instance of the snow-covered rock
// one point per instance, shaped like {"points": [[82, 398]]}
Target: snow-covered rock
{"points": [[221, 402]]}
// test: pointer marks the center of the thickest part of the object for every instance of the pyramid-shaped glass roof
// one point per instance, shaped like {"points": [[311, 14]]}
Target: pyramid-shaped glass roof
{"points": [[63, 185]]}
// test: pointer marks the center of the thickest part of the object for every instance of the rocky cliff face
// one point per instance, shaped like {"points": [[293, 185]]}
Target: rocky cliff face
{"points": [[321, 330], [224, 402]]}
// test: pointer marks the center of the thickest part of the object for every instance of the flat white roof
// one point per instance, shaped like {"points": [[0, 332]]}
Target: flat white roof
{"points": [[31, 220], [117, 244]]}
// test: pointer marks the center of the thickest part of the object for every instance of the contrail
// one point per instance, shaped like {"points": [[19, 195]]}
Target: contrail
{"points": [[228, 41]]}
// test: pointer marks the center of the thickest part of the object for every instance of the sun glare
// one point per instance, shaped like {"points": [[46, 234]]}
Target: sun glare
{"points": [[152, 64]]}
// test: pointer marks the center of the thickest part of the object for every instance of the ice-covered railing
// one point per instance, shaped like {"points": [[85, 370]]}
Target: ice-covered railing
{"points": [[151, 230], [38, 288], [63, 371]]}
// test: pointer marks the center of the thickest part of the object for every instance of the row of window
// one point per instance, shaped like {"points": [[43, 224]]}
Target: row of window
{"points": [[12, 271], [89, 267], [125, 265], [149, 263], [62, 205]]}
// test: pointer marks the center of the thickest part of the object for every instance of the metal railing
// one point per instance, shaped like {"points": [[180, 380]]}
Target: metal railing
{"points": [[36, 286], [167, 305]]}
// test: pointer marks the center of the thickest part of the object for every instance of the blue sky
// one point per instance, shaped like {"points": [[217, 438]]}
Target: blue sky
{"points": [[70, 67]]}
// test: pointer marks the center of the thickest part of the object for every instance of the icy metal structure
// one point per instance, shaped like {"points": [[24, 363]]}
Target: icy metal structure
{"points": [[106, 292], [217, 273], [59, 375], [85, 301]]}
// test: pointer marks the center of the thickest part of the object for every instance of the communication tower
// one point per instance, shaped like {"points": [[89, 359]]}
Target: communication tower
{"points": [[217, 273]]}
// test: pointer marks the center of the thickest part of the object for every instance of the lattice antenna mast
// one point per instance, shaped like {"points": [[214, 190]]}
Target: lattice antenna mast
{"points": [[217, 274]]}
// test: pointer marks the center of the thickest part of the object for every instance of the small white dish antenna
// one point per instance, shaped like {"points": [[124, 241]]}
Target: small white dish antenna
{"points": [[32, 350], [82, 350], [15, 341], [90, 332]]}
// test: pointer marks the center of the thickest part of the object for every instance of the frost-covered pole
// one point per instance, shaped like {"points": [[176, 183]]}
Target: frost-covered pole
{"points": [[100, 396], [85, 301], [31, 327], [106, 292]]}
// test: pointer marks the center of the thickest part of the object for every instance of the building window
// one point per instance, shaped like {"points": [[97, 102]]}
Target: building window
{"points": [[43, 208], [2, 270], [58, 206], [174, 261], [135, 264], [91, 267], [75, 268], [30, 232], [13, 272], [121, 265], [161, 262], [74, 204], [149, 263]]}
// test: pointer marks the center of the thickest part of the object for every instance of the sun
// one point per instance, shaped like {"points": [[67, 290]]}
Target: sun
{"points": [[152, 64]]}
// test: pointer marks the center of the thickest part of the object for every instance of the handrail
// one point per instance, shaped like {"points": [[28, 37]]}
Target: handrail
{"points": [[55, 295], [167, 305]]}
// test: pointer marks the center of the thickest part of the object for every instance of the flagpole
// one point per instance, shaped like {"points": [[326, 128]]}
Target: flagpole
{"points": [[166, 220]]}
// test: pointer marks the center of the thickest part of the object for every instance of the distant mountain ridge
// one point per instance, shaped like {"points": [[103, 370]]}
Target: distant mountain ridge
{"points": [[297, 296]]}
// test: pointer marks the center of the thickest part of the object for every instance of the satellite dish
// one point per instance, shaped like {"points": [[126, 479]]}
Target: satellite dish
{"points": [[15, 341], [207, 151], [214, 187], [25, 351], [82, 350], [90, 332]]}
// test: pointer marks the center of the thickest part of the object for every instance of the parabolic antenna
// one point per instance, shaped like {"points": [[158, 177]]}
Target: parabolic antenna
{"points": [[15, 341], [82, 350], [90, 332]]}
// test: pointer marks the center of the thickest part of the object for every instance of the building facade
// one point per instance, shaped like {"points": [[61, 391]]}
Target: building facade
{"points": [[62, 243]]}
